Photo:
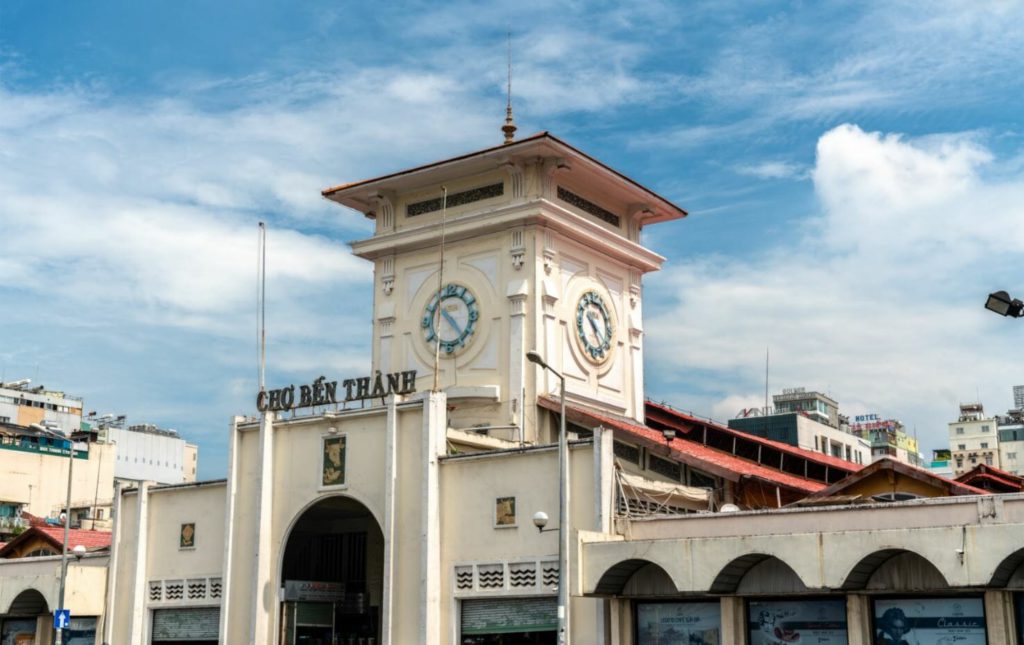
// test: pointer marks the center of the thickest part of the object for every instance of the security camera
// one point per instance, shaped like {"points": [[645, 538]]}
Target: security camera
{"points": [[78, 551], [540, 520]]}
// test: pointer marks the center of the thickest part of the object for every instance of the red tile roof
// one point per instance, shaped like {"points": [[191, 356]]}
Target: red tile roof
{"points": [[54, 535], [91, 540], [719, 462], [952, 487], [811, 455], [1011, 486]]}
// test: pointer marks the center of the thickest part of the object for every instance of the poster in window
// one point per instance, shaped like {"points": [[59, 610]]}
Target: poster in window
{"points": [[930, 621], [793, 622], [333, 470], [678, 623]]}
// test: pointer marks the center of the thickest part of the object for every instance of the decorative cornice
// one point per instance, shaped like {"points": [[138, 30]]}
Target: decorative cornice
{"points": [[541, 212]]}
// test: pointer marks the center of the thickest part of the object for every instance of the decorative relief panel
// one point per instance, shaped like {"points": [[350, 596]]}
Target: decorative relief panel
{"points": [[193, 591], [507, 578], [518, 249], [455, 199]]}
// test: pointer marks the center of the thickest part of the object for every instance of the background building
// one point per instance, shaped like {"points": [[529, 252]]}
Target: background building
{"points": [[1011, 440], [23, 405], [973, 439], [808, 420], [887, 438], [146, 452], [35, 466]]}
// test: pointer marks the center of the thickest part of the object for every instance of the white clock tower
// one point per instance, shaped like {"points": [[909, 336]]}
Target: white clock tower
{"points": [[532, 245]]}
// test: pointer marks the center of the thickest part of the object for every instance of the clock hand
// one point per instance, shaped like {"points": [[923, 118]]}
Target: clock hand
{"points": [[593, 325], [451, 321]]}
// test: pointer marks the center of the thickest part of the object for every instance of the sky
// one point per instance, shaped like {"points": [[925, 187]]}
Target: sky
{"points": [[854, 173]]}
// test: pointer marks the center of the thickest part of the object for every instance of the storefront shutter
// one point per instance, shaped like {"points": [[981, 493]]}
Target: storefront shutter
{"points": [[198, 623], [509, 615]]}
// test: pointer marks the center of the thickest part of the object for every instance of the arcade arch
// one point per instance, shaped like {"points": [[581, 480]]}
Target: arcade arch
{"points": [[332, 572]]}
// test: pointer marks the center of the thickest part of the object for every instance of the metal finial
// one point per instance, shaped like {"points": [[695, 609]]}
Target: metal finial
{"points": [[510, 125]]}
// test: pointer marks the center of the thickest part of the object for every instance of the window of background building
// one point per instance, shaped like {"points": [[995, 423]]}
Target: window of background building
{"points": [[961, 446], [959, 430], [984, 428], [984, 444], [1011, 455], [988, 460]]}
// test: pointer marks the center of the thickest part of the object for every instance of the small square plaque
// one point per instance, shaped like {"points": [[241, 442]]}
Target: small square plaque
{"points": [[505, 511]]}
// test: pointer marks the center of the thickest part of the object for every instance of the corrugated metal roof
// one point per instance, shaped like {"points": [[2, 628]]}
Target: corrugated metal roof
{"points": [[810, 455], [717, 461]]}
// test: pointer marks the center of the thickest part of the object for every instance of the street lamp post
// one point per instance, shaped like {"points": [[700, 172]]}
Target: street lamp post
{"points": [[59, 640], [59, 634], [563, 507]]}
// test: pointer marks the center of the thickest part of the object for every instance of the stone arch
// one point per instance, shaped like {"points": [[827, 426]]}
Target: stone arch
{"points": [[730, 577], [615, 579], [334, 549], [30, 602], [894, 569], [1007, 568]]}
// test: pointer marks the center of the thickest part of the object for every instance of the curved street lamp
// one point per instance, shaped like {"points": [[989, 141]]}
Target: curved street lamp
{"points": [[563, 508]]}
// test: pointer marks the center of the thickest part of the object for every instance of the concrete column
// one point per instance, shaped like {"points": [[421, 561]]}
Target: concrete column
{"points": [[734, 620], [858, 619], [264, 595], [107, 621], [516, 293], [999, 618], [137, 625], [604, 474], [435, 423], [229, 527], [390, 472]]}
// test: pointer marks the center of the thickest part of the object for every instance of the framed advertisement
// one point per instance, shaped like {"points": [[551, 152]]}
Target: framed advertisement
{"points": [[929, 621], [780, 622], [678, 623], [332, 461]]}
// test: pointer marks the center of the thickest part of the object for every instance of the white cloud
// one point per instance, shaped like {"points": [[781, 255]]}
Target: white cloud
{"points": [[878, 300], [772, 170]]}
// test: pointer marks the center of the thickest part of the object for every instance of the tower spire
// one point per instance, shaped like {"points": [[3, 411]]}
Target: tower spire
{"points": [[510, 125]]}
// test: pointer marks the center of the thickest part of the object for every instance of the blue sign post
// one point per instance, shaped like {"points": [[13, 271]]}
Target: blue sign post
{"points": [[61, 618]]}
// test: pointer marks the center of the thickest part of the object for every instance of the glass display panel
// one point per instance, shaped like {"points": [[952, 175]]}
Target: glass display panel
{"points": [[792, 622], [678, 623], [930, 621]]}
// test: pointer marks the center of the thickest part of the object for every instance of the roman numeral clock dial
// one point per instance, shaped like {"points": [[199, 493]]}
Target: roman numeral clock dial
{"points": [[594, 327], [451, 317]]}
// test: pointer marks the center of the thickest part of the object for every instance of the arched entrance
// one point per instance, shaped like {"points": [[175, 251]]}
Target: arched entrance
{"points": [[19, 624], [332, 575]]}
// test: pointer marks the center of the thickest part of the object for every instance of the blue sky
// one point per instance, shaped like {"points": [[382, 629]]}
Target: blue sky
{"points": [[854, 173]]}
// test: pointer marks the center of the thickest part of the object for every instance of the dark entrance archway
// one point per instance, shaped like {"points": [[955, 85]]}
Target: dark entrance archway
{"points": [[332, 574]]}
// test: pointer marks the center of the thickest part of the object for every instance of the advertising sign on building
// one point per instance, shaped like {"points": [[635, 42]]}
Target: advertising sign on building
{"points": [[313, 591], [930, 621], [678, 623], [773, 622]]}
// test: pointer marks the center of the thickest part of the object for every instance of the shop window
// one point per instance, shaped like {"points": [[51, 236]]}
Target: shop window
{"points": [[930, 620], [678, 622], [796, 621]]}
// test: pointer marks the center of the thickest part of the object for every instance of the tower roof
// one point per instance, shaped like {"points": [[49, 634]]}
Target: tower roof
{"points": [[360, 195]]}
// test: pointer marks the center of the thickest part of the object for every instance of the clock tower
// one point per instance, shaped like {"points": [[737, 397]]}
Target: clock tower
{"points": [[532, 245]]}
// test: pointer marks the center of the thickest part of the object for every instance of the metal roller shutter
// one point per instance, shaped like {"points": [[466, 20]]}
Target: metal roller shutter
{"points": [[192, 624], [509, 615]]}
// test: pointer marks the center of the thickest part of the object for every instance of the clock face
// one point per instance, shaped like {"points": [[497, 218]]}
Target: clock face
{"points": [[594, 326], [450, 318]]}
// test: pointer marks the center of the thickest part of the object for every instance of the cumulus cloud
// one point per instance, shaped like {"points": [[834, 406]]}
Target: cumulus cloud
{"points": [[877, 300]]}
